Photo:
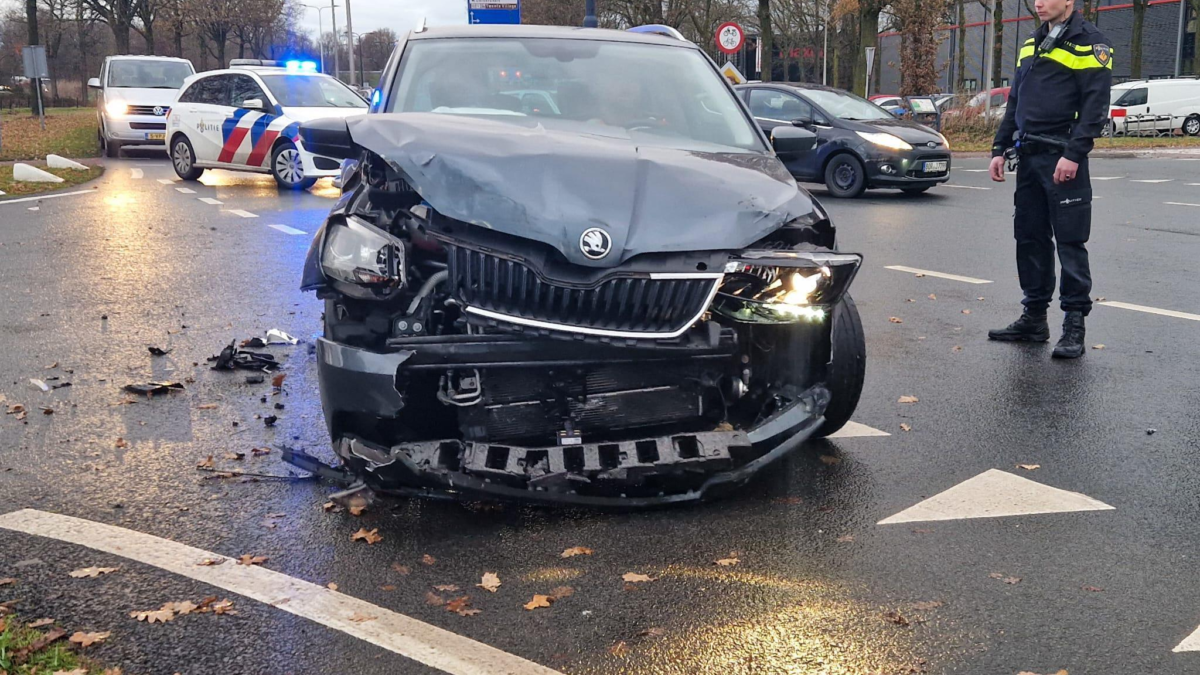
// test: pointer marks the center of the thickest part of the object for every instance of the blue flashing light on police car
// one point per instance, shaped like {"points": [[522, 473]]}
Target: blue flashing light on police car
{"points": [[297, 66]]}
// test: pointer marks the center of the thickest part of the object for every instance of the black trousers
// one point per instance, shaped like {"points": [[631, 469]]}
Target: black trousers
{"points": [[1047, 214]]}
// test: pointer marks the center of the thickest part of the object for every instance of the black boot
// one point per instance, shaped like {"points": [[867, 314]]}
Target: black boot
{"points": [[1028, 328], [1070, 345]]}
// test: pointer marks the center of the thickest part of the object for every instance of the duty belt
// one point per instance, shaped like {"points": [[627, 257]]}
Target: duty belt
{"points": [[1035, 144]]}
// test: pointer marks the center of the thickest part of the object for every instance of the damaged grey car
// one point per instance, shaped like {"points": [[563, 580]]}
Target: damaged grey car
{"points": [[568, 267]]}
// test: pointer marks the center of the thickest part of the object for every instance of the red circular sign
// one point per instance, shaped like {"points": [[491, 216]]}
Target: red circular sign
{"points": [[730, 37]]}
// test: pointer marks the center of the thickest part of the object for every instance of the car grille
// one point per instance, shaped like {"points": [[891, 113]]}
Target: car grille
{"points": [[148, 110], [624, 306], [148, 126]]}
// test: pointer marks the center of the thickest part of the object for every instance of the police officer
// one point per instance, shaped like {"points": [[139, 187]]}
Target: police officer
{"points": [[1057, 105]]}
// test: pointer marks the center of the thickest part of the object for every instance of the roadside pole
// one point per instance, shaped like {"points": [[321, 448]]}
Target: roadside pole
{"points": [[337, 42], [987, 63], [870, 67], [350, 39], [1183, 8]]}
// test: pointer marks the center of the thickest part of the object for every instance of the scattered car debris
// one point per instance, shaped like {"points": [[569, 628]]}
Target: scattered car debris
{"points": [[278, 337], [150, 389], [232, 358], [39, 384], [270, 420], [158, 351], [253, 343], [255, 379], [1149, 432]]}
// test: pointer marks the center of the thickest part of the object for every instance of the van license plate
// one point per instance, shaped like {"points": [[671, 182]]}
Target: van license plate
{"points": [[935, 167], [163, 137]]}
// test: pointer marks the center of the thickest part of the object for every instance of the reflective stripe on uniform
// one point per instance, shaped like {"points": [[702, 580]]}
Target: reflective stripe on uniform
{"points": [[1075, 58]]}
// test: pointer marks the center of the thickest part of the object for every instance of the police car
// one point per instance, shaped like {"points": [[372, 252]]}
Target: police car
{"points": [[247, 117]]}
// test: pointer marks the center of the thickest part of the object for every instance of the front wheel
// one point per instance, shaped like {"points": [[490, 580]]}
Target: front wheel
{"points": [[288, 168], [1191, 126], [845, 177], [847, 368], [112, 149], [183, 159]]}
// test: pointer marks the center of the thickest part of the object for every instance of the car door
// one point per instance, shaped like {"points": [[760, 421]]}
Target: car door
{"points": [[773, 108], [253, 143], [207, 113], [1133, 106]]}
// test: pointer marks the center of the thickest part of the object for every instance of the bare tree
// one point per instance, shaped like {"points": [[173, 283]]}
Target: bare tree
{"points": [[119, 15], [1135, 49], [918, 22]]}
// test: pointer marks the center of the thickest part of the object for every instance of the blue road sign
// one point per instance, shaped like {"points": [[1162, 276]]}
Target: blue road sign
{"points": [[494, 11]]}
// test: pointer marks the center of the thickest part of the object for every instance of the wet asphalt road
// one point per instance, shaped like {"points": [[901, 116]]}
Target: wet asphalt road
{"points": [[817, 576]]}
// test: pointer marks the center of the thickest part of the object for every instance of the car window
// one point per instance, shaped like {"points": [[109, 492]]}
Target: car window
{"points": [[210, 90], [999, 100], [846, 106], [148, 73], [1133, 97], [243, 88], [658, 95], [312, 91], [776, 105]]}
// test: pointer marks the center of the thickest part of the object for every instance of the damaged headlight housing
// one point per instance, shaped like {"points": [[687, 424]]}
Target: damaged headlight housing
{"points": [[784, 286], [359, 253]]}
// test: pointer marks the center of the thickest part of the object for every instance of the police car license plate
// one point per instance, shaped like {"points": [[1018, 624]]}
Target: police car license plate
{"points": [[935, 167], [156, 137]]}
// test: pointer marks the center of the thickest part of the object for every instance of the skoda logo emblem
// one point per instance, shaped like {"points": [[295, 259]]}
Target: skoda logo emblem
{"points": [[595, 243], [158, 110]]}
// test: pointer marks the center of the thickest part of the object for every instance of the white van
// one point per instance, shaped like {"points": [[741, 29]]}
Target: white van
{"points": [[135, 95], [1156, 107]]}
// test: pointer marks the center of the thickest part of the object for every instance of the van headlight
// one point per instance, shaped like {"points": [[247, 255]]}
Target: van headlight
{"points": [[356, 252], [885, 140], [116, 108], [784, 286]]}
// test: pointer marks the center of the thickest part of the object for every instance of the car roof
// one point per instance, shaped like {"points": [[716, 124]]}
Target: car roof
{"points": [[558, 32], [261, 70], [146, 57]]}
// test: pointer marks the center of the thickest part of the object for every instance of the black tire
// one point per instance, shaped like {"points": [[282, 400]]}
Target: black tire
{"points": [[847, 368], [183, 158], [112, 149], [287, 168], [845, 176], [1191, 125], [916, 190]]}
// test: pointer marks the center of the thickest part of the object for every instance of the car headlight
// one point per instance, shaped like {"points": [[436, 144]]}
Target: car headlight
{"points": [[945, 141], [359, 253], [784, 286], [885, 140], [116, 108]]}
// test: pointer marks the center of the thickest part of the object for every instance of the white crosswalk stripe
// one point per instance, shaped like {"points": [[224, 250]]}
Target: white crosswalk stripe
{"points": [[210, 200], [287, 230], [136, 173], [243, 214], [186, 191]]}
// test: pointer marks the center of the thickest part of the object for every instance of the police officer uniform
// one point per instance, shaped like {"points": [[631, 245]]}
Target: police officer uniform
{"points": [[1060, 97]]}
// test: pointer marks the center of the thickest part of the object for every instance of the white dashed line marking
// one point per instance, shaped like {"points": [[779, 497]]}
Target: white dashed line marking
{"points": [[1180, 204], [1152, 180], [416, 640], [940, 275], [243, 214], [1107, 177], [994, 494], [165, 181], [964, 187], [38, 198], [186, 191], [136, 173], [1151, 310], [856, 430], [974, 170], [291, 230], [210, 200]]}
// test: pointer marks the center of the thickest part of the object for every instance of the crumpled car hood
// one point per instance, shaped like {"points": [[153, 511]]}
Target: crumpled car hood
{"points": [[530, 179]]}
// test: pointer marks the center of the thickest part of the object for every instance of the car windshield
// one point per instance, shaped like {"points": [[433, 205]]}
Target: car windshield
{"points": [[846, 106], [312, 91], [656, 95], [148, 73]]}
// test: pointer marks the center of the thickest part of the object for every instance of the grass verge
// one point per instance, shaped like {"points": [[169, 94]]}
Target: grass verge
{"points": [[70, 132], [982, 142], [29, 651], [70, 178]]}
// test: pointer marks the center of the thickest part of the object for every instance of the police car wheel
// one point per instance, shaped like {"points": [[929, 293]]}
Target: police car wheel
{"points": [[847, 368], [845, 177], [183, 159], [1191, 126], [288, 169]]}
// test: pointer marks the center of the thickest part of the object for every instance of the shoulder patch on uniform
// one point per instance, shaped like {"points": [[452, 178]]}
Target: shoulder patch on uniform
{"points": [[1103, 53]]}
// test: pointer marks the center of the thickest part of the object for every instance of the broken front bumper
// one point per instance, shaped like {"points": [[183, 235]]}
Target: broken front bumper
{"points": [[358, 386]]}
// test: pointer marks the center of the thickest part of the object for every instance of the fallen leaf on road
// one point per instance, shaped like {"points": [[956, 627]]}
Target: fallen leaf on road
{"points": [[932, 296], [328, 506], [966, 311], [576, 550], [446, 588], [904, 426], [205, 463], [402, 569], [1097, 346], [222, 607], [260, 452], [122, 443], [182, 608], [92, 572], [1092, 589], [633, 577], [895, 617], [1029, 467], [387, 587], [956, 348], [209, 562], [277, 381], [829, 459], [652, 632], [158, 615], [357, 510], [207, 406], [248, 559], [895, 319], [910, 300], [459, 606], [561, 592], [539, 601], [908, 399], [980, 299], [726, 562], [7, 581], [920, 275], [236, 456], [39, 623], [428, 559], [434, 599], [845, 539], [1007, 580], [369, 536], [490, 582], [361, 618], [927, 605], [88, 639], [331, 586]]}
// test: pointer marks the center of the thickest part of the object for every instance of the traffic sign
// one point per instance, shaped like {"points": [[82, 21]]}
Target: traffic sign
{"points": [[730, 37], [35, 62], [494, 11], [731, 73]]}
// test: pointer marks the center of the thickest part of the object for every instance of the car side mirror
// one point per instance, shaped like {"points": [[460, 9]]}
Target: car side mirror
{"points": [[793, 139], [803, 121], [94, 83], [329, 137], [253, 104]]}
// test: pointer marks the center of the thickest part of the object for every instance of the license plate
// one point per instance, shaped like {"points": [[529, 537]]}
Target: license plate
{"points": [[935, 167], [163, 137]]}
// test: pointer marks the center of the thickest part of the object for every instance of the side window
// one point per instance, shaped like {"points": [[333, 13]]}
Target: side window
{"points": [[189, 94], [244, 88], [999, 100], [777, 105], [1133, 97], [212, 90]]}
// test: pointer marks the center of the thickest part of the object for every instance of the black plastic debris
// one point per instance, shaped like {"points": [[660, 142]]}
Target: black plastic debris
{"points": [[253, 343], [153, 388], [232, 358], [270, 420], [279, 406], [158, 351], [255, 379]]}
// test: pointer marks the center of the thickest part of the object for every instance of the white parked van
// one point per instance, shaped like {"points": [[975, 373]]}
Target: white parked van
{"points": [[135, 94], [1156, 106]]}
